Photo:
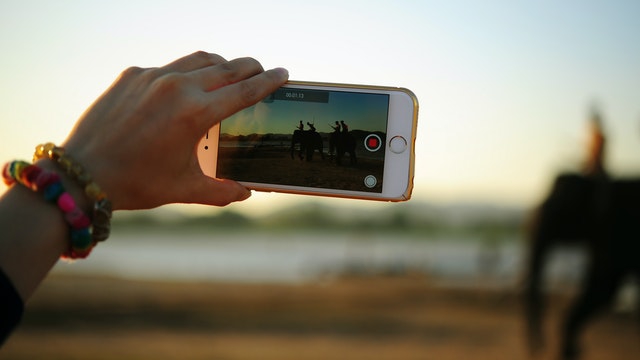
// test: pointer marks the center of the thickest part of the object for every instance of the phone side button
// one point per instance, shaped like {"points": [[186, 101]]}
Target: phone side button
{"points": [[398, 144]]}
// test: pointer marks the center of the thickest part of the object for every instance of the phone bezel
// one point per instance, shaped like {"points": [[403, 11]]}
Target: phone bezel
{"points": [[398, 170]]}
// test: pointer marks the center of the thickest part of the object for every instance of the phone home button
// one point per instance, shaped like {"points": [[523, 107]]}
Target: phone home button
{"points": [[398, 144]]}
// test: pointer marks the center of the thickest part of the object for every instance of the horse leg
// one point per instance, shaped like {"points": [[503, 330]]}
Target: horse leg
{"points": [[600, 287], [310, 151], [534, 303], [293, 150], [539, 241]]}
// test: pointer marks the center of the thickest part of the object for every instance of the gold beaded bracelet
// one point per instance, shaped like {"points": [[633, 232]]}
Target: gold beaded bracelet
{"points": [[101, 219]]}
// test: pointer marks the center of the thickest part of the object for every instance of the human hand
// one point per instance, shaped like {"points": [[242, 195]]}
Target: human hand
{"points": [[138, 140]]}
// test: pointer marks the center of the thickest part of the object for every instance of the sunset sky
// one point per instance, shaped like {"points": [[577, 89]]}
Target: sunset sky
{"points": [[505, 87]]}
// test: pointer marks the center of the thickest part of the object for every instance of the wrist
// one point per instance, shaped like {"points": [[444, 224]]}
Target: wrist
{"points": [[101, 208], [49, 185], [82, 201]]}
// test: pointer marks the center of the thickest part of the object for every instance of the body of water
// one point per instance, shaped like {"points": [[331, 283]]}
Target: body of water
{"points": [[299, 257]]}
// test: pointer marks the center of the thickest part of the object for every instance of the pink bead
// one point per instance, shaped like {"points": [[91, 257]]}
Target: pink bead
{"points": [[66, 202], [77, 219]]}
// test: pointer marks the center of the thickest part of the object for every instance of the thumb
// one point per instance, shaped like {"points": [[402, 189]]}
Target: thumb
{"points": [[217, 192]]}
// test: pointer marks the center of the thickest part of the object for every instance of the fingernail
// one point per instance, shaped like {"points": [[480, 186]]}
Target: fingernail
{"points": [[284, 73]]}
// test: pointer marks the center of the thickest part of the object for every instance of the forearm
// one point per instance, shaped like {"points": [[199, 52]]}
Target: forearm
{"points": [[35, 234]]}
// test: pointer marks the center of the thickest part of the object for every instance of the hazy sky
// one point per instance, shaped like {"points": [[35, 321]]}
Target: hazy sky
{"points": [[505, 87]]}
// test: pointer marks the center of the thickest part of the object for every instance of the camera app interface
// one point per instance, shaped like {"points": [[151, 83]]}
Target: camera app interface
{"points": [[310, 138]]}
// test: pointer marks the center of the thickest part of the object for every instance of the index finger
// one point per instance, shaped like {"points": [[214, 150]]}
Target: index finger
{"points": [[227, 100], [195, 61]]}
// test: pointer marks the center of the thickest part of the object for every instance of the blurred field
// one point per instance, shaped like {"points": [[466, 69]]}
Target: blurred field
{"points": [[403, 317]]}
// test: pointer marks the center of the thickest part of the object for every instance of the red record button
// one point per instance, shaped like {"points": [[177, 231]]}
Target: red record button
{"points": [[372, 142]]}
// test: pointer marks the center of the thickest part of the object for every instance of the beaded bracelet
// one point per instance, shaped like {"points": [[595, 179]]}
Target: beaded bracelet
{"points": [[101, 224], [40, 180]]}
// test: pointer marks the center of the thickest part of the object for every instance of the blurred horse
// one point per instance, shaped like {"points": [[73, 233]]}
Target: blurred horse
{"points": [[599, 213], [605, 218]]}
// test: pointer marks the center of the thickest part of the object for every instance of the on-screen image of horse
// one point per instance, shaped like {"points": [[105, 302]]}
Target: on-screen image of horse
{"points": [[602, 215], [308, 141], [343, 142]]}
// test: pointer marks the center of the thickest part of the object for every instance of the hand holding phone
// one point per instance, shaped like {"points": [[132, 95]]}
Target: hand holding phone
{"points": [[337, 140]]}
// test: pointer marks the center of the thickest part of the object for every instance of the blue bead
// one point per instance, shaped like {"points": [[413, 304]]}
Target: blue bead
{"points": [[81, 238], [53, 191]]}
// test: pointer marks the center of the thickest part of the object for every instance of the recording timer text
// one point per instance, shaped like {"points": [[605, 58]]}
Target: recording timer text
{"points": [[305, 95]]}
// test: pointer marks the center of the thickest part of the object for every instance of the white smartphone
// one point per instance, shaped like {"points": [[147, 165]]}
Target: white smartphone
{"points": [[340, 140]]}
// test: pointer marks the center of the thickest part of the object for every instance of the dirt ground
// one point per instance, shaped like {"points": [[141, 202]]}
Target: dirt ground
{"points": [[364, 318]]}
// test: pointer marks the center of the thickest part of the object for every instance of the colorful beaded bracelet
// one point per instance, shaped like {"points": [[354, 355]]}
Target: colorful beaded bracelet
{"points": [[40, 180], [101, 223]]}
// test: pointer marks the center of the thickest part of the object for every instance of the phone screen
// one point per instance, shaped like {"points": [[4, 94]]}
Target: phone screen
{"points": [[309, 138]]}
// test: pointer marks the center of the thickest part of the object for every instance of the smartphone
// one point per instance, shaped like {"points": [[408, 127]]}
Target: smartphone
{"points": [[339, 140]]}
